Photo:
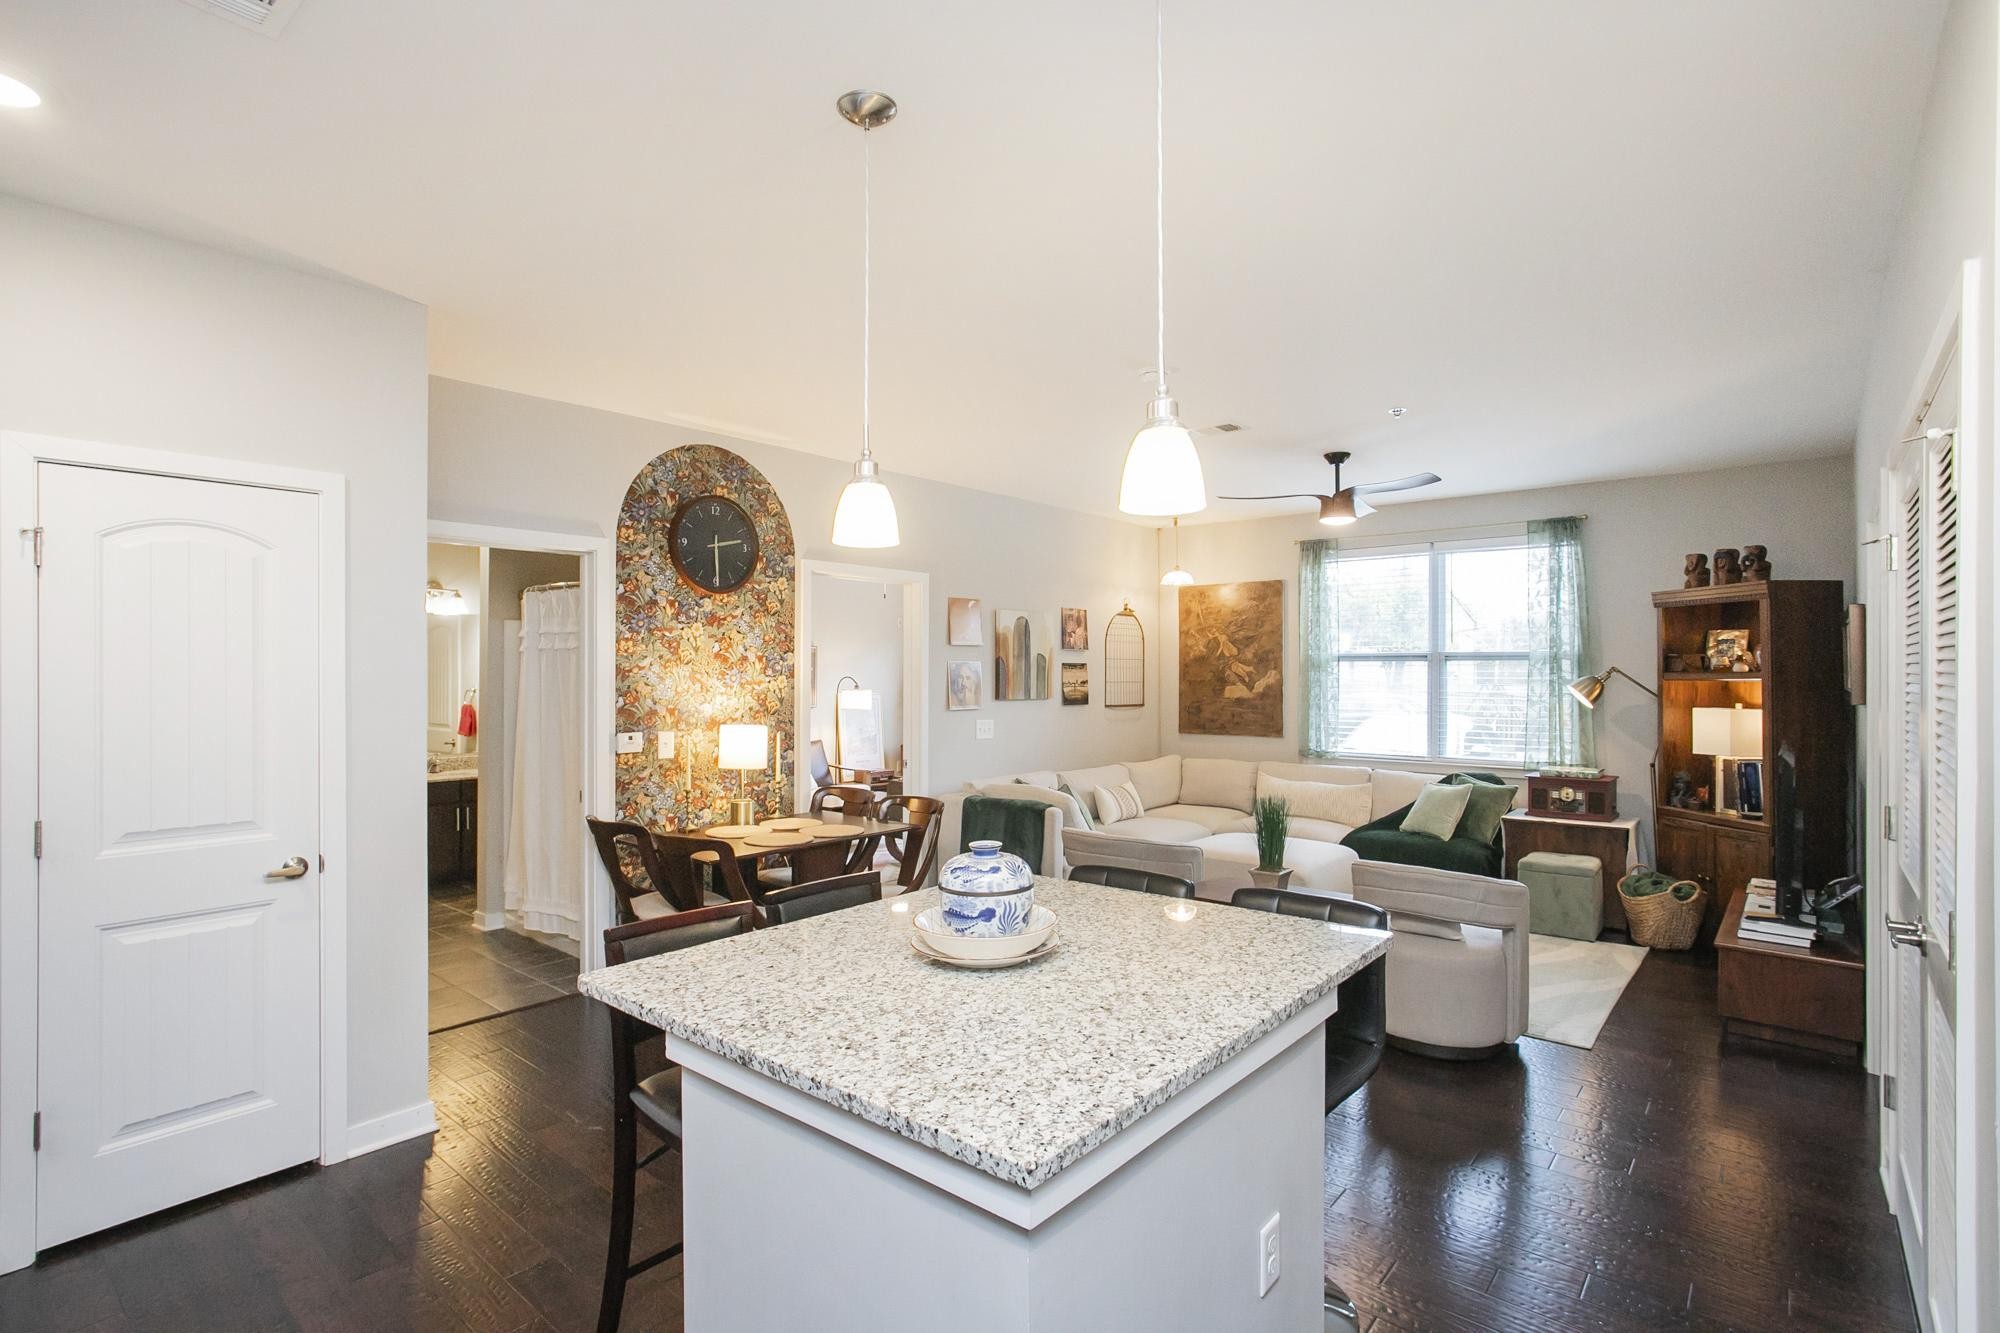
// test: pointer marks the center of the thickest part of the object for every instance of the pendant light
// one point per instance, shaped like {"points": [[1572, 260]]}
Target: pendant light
{"points": [[1162, 469], [866, 515], [1176, 577]]}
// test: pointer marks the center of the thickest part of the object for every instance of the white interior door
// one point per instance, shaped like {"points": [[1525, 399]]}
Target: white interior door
{"points": [[178, 1029], [1921, 502]]}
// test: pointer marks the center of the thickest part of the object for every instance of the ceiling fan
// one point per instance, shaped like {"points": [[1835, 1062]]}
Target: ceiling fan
{"points": [[1347, 503]]}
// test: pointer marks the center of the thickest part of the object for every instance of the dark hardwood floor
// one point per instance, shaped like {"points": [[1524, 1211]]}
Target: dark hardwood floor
{"points": [[1661, 1181]]}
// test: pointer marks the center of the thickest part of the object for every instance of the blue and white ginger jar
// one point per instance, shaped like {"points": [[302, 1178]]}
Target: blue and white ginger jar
{"points": [[986, 892]]}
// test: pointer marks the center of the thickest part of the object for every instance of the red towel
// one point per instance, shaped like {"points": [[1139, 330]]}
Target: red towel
{"points": [[468, 720]]}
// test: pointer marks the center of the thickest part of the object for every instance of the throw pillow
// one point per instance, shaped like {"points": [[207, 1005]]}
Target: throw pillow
{"points": [[1487, 806], [1335, 802], [1115, 804], [1230, 784], [1158, 780], [1437, 811], [1082, 806]]}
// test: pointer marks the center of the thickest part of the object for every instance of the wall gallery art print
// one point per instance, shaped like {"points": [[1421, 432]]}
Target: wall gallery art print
{"points": [[961, 620], [1024, 645], [1076, 682], [1232, 659], [961, 686], [1075, 629]]}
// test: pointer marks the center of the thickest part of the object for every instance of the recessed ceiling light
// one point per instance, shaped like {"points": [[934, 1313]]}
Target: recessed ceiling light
{"points": [[1399, 411], [17, 95]]}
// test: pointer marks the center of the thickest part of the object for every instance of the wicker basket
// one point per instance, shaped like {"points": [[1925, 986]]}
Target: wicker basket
{"points": [[1661, 920]]}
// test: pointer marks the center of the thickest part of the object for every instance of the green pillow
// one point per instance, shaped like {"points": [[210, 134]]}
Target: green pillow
{"points": [[1487, 806], [1082, 806], [1437, 811]]}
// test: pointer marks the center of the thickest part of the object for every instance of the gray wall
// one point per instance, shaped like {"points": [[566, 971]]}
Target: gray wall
{"points": [[507, 458], [120, 336], [1638, 531]]}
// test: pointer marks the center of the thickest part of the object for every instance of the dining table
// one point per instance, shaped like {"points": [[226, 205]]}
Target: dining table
{"points": [[829, 843]]}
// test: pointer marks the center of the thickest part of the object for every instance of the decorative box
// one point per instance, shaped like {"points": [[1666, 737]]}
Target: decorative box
{"points": [[1559, 797]]}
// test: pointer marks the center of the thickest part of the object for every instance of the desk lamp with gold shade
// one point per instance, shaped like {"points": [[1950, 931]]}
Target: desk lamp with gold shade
{"points": [[745, 747], [1588, 690]]}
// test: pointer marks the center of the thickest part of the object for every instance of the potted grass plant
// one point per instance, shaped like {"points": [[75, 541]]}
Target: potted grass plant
{"points": [[1273, 818]]}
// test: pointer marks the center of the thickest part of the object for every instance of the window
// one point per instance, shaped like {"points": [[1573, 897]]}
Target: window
{"points": [[1431, 653]]}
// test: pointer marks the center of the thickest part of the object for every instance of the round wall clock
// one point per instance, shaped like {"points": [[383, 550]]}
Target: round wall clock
{"points": [[713, 543]]}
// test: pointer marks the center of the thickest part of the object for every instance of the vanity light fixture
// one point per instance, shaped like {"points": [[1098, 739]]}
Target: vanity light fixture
{"points": [[442, 601], [1176, 577], [1162, 469], [865, 518]]}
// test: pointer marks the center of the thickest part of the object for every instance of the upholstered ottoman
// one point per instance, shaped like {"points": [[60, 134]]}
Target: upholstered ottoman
{"points": [[1565, 894], [1317, 867]]}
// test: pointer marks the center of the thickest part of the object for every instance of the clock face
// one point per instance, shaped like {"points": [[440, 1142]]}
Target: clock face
{"points": [[714, 544]]}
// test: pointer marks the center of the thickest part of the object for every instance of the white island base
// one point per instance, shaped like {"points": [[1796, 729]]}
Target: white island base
{"points": [[799, 1215]]}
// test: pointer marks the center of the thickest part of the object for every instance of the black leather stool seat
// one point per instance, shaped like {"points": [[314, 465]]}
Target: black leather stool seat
{"points": [[659, 1099]]}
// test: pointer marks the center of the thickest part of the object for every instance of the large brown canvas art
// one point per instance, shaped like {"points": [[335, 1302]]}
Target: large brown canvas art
{"points": [[1232, 659]]}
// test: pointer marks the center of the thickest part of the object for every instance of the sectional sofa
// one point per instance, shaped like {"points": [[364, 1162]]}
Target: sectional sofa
{"points": [[1458, 973]]}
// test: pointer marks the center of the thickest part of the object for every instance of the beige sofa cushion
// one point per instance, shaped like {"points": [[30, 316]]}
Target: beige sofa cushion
{"points": [[1335, 773], [1042, 777], [1215, 818], [1084, 781], [1158, 780], [1231, 783], [1394, 789], [1339, 803], [1312, 830], [1155, 829], [1319, 866]]}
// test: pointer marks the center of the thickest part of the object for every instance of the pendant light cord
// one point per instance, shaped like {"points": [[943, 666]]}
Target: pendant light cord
{"points": [[867, 283], [1160, 186]]}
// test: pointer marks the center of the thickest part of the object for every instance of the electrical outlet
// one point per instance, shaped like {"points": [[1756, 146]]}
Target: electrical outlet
{"points": [[983, 729], [631, 742], [1267, 1257]]}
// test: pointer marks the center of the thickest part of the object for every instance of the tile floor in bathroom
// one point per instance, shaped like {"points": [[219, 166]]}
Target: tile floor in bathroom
{"points": [[478, 973]]}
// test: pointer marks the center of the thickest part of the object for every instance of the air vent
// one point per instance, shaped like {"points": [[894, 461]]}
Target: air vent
{"points": [[1220, 428], [266, 16]]}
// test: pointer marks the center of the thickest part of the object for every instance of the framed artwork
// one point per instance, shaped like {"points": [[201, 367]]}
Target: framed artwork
{"points": [[1024, 647], [1075, 629], [961, 620], [1076, 682], [1232, 660], [961, 686], [1726, 647], [1125, 661]]}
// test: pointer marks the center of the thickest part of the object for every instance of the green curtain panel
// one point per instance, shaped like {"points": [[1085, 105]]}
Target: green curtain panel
{"points": [[1558, 730], [1319, 622]]}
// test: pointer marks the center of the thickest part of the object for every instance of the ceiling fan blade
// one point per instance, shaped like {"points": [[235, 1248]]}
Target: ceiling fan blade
{"points": [[1409, 483], [1291, 496]]}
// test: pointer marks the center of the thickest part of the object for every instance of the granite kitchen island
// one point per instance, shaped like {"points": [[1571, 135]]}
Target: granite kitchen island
{"points": [[1091, 1141]]}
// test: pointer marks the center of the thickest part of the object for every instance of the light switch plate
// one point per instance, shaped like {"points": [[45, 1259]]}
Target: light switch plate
{"points": [[1267, 1257], [631, 742], [665, 742], [983, 729]]}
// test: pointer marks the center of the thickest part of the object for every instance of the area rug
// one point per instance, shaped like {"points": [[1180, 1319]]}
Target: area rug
{"points": [[1573, 985]]}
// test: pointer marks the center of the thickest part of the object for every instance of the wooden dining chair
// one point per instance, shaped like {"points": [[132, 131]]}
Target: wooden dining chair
{"points": [[1126, 877], [782, 906], [916, 851], [846, 799], [633, 863], [687, 860], [656, 1098]]}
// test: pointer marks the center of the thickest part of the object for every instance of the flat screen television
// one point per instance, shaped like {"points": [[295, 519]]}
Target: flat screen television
{"points": [[1788, 836]]}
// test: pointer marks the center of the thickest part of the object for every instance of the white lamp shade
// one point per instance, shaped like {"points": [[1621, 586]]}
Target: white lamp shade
{"points": [[1729, 733], [866, 516], [743, 745], [854, 699], [1162, 472], [1176, 578]]}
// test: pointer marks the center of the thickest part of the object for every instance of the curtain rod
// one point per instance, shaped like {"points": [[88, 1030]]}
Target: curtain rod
{"points": [[549, 587], [1469, 527]]}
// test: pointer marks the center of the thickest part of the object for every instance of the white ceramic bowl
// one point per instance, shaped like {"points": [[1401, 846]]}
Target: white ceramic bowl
{"points": [[942, 939]]}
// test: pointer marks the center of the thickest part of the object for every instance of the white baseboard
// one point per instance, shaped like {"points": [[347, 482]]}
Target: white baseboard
{"points": [[384, 1130], [490, 920]]}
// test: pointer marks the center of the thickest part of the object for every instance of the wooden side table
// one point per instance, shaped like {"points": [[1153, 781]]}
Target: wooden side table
{"points": [[1803, 997], [1609, 840]]}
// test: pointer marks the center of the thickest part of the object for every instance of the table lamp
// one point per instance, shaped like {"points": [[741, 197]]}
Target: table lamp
{"points": [[745, 747], [1727, 733]]}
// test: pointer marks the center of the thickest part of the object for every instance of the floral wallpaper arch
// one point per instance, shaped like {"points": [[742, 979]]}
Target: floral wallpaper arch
{"points": [[688, 662]]}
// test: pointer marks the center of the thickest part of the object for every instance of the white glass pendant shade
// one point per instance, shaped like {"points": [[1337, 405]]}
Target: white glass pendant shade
{"points": [[1162, 469], [1176, 578], [866, 514]]}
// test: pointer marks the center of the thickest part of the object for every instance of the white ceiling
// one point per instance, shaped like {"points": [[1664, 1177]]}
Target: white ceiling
{"points": [[1577, 240]]}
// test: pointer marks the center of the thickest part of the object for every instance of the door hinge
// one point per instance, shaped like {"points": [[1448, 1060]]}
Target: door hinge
{"points": [[38, 839], [322, 863], [38, 1131], [1888, 823], [35, 535], [1888, 1092]]}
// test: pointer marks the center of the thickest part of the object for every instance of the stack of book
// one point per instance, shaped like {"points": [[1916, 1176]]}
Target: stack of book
{"points": [[1762, 924]]}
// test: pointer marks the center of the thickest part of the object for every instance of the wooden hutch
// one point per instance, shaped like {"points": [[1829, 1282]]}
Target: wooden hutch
{"points": [[1795, 627]]}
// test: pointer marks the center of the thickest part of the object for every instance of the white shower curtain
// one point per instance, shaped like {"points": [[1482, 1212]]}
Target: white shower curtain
{"points": [[544, 877]]}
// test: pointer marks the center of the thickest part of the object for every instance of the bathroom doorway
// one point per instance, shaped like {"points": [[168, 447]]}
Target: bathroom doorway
{"points": [[507, 756]]}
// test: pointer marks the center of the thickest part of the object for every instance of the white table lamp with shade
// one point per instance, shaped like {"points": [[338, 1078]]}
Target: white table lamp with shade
{"points": [[1728, 734], [745, 747]]}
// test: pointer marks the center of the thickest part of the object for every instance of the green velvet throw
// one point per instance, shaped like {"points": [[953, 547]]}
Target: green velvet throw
{"points": [[1384, 840], [1015, 824]]}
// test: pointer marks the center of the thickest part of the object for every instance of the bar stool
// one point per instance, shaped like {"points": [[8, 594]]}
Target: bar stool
{"points": [[1126, 877]]}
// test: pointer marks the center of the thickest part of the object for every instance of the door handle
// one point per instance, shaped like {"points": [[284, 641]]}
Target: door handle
{"points": [[292, 869], [1911, 933]]}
